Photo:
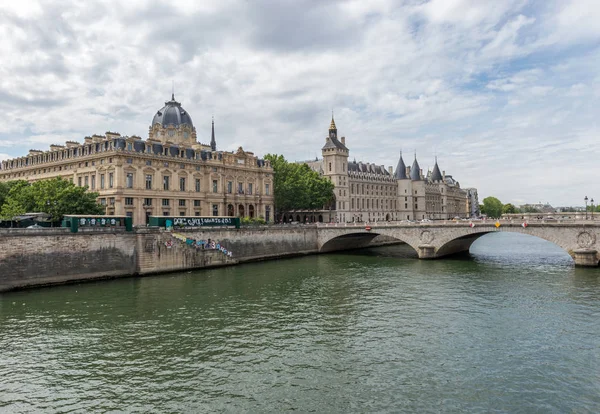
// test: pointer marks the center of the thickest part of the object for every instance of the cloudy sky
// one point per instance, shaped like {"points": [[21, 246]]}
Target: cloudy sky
{"points": [[505, 92]]}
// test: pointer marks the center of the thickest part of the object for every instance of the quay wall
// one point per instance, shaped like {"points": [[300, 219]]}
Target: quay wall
{"points": [[31, 257]]}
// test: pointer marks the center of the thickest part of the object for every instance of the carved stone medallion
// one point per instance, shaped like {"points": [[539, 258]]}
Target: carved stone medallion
{"points": [[585, 239], [426, 236]]}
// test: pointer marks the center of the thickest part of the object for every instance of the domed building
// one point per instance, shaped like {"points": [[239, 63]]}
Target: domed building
{"points": [[172, 123], [168, 174]]}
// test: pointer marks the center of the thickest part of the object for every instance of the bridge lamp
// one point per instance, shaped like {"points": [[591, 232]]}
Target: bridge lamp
{"points": [[592, 203], [586, 200]]}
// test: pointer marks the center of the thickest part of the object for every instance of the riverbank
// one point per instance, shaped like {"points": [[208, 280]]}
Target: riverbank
{"points": [[43, 257]]}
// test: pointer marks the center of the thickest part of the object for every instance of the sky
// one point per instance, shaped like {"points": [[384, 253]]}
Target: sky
{"points": [[505, 93]]}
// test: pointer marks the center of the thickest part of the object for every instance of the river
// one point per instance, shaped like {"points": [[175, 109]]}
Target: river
{"points": [[515, 328]]}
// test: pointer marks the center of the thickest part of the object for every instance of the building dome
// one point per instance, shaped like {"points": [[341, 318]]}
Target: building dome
{"points": [[172, 114]]}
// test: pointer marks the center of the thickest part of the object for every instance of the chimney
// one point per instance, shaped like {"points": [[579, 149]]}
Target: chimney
{"points": [[444, 175], [408, 171], [421, 173], [344, 140], [391, 170]]}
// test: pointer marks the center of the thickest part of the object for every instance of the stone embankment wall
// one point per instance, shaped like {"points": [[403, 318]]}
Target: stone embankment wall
{"points": [[31, 257]]}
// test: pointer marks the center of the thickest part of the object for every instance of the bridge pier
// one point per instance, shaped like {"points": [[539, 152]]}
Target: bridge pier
{"points": [[586, 258], [426, 251]]}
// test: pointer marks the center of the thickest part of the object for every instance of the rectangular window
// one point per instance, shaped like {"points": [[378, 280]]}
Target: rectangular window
{"points": [[250, 188], [182, 166], [240, 188], [181, 183], [197, 185], [129, 160], [165, 202], [182, 213], [267, 189], [215, 186], [148, 162], [79, 181], [165, 182], [196, 203], [229, 187], [85, 180], [148, 182], [129, 180], [128, 201], [215, 210], [111, 201], [102, 181], [103, 201], [93, 182], [111, 180], [181, 203], [147, 201]]}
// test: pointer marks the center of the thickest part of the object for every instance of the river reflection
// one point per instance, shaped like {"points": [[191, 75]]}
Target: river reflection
{"points": [[514, 328]]}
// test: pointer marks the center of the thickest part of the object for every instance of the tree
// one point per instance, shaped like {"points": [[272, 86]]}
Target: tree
{"points": [[56, 197], [509, 209], [492, 207], [297, 186]]}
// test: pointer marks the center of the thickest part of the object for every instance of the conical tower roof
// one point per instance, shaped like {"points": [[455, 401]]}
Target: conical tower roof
{"points": [[436, 175], [415, 170], [400, 169]]}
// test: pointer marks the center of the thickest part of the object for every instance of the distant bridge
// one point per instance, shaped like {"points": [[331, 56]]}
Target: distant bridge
{"points": [[443, 238]]}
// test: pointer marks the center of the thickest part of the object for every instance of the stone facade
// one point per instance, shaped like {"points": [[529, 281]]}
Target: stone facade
{"points": [[170, 173], [370, 193]]}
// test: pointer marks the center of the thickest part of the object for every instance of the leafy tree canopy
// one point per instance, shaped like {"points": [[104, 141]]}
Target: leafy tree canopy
{"points": [[56, 197], [492, 207], [509, 209], [297, 187]]}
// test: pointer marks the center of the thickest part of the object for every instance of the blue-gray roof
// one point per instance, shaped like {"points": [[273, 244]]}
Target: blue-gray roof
{"points": [[172, 114]]}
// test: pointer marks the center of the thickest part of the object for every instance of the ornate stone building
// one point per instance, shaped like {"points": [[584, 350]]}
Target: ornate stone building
{"points": [[170, 173], [368, 192]]}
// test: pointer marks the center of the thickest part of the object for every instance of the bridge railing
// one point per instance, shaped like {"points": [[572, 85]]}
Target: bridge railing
{"points": [[467, 222]]}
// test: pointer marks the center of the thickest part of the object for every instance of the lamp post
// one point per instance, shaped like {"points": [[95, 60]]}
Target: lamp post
{"points": [[586, 200], [592, 203]]}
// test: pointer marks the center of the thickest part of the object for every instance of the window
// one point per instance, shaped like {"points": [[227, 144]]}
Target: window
{"points": [[165, 202], [148, 182], [130, 160], [267, 189], [129, 147], [148, 162], [165, 182], [129, 180], [111, 201], [196, 203], [102, 181], [215, 210], [250, 188], [85, 180], [181, 203], [329, 167], [229, 187], [197, 185], [240, 188], [79, 181], [181, 183], [182, 166], [111, 180], [182, 213], [103, 201], [215, 186], [93, 182], [147, 201], [128, 201]]}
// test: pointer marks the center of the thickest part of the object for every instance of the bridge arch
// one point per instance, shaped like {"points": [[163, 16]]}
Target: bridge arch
{"points": [[356, 240]]}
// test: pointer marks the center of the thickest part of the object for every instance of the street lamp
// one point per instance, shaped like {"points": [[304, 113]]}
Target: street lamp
{"points": [[586, 200], [592, 203]]}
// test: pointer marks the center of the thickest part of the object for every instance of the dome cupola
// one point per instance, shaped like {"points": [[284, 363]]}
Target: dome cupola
{"points": [[172, 114]]}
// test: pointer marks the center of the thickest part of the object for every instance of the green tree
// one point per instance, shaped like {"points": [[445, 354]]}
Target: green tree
{"points": [[297, 187], [492, 207], [56, 197], [509, 209]]}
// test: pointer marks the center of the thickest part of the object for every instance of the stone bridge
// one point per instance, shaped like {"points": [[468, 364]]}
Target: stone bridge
{"points": [[438, 239]]}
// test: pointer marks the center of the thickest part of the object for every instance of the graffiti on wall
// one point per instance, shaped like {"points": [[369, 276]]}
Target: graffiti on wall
{"points": [[208, 244]]}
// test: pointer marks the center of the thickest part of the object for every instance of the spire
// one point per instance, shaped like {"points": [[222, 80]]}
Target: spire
{"points": [[213, 142], [436, 175], [332, 128], [415, 170], [172, 90], [400, 169]]}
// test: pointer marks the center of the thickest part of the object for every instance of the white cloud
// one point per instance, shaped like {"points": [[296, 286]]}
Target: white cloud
{"points": [[503, 92]]}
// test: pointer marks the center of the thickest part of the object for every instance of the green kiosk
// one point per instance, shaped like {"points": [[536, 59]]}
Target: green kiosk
{"points": [[74, 222]]}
